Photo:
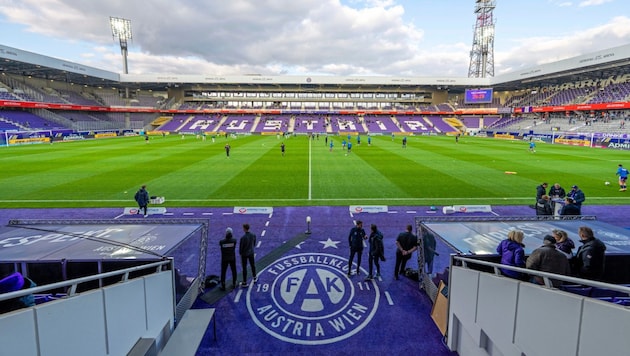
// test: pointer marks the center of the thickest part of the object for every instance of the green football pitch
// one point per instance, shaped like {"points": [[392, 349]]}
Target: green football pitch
{"points": [[432, 170]]}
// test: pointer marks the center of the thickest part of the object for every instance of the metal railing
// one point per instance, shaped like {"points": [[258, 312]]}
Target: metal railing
{"points": [[72, 284], [547, 277]]}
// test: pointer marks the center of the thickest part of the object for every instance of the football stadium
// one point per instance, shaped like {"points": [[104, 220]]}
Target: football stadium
{"points": [[87, 269]]}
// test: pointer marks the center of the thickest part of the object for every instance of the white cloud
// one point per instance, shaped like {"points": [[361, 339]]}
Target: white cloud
{"points": [[272, 37], [593, 2], [540, 50]]}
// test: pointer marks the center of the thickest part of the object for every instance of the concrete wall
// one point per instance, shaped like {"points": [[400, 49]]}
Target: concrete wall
{"points": [[494, 315], [107, 321]]}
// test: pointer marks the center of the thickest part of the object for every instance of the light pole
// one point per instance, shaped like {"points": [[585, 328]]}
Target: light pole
{"points": [[121, 29]]}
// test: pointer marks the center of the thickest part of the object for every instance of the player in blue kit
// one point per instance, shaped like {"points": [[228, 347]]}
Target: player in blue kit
{"points": [[623, 177], [532, 147]]}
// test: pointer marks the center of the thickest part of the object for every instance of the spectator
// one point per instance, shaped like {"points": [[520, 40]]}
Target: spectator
{"points": [[556, 195], [13, 283], [512, 253], [246, 250], [540, 191], [543, 207], [570, 208], [142, 198], [429, 245], [355, 240], [589, 259], [578, 196], [377, 251], [563, 243], [406, 244], [228, 257], [548, 259], [557, 192]]}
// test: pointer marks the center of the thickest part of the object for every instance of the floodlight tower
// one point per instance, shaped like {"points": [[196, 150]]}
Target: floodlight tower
{"points": [[121, 29], [482, 53]]}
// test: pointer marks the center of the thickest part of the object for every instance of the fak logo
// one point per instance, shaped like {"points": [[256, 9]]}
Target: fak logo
{"points": [[308, 299]]}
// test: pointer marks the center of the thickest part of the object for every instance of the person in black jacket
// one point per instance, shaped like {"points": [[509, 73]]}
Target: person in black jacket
{"points": [[556, 191], [429, 245], [406, 244], [570, 208], [543, 207], [590, 258], [142, 198], [377, 251], [355, 240], [228, 257], [540, 191], [246, 250], [548, 259], [577, 195]]}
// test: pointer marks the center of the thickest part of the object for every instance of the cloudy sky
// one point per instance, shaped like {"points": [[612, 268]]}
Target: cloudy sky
{"points": [[311, 37]]}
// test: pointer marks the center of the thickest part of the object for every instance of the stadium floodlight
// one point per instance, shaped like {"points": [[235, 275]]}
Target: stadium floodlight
{"points": [[121, 29]]}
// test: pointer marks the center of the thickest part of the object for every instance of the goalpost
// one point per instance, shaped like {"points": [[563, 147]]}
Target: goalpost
{"points": [[13, 138]]}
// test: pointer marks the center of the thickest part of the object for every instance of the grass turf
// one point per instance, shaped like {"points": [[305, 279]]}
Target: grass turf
{"points": [[432, 170]]}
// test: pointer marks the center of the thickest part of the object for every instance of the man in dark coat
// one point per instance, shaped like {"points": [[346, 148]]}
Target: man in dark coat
{"points": [[142, 198], [540, 191], [355, 240], [228, 257], [570, 208], [376, 252], [543, 207], [246, 250], [577, 195], [548, 259], [556, 191], [406, 244], [429, 245], [590, 257]]}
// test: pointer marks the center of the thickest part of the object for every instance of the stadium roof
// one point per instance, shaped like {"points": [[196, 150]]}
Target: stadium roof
{"points": [[593, 66]]}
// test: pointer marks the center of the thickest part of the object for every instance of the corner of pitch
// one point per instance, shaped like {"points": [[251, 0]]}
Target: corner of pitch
{"points": [[308, 299]]}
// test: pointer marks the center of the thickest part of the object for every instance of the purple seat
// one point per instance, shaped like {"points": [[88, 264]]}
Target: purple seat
{"points": [[577, 289], [11, 283]]}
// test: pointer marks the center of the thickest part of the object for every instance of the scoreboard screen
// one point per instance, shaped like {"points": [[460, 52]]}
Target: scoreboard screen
{"points": [[478, 96]]}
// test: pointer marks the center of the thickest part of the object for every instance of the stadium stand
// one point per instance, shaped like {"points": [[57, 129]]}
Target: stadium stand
{"points": [[531, 104], [23, 120], [597, 100]]}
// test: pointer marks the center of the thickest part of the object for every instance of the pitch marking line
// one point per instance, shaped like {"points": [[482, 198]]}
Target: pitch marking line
{"points": [[416, 199]]}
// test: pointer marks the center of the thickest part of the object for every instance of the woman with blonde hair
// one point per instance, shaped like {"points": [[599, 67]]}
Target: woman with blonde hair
{"points": [[512, 253], [563, 243]]}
